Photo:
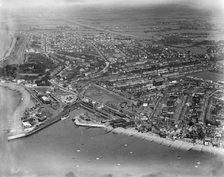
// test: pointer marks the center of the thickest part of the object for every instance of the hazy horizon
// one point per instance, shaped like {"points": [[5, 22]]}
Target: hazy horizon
{"points": [[202, 4]]}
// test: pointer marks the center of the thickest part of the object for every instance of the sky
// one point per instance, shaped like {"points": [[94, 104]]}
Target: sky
{"points": [[33, 3]]}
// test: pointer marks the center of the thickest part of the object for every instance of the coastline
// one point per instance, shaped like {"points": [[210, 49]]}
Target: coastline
{"points": [[151, 137], [175, 144], [7, 38], [15, 127], [16, 130]]}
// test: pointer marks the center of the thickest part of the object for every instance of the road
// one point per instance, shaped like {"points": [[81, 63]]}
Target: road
{"points": [[155, 108], [102, 56], [205, 108], [181, 108], [62, 88]]}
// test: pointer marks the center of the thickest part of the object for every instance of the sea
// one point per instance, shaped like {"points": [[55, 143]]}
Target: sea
{"points": [[65, 150]]}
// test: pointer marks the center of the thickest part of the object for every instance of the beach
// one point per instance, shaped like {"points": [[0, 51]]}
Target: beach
{"points": [[9, 101], [14, 100], [15, 124], [64, 149], [152, 137], [16, 129], [175, 144]]}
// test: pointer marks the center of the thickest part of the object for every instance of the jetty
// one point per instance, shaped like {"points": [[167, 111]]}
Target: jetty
{"points": [[82, 123], [47, 123], [17, 136], [35, 130]]}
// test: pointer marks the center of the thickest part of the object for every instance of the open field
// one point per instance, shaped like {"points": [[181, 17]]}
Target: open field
{"points": [[102, 95]]}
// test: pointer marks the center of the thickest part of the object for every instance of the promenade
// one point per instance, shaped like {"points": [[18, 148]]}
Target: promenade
{"points": [[176, 144]]}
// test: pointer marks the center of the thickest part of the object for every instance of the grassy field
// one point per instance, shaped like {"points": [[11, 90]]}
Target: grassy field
{"points": [[102, 95]]}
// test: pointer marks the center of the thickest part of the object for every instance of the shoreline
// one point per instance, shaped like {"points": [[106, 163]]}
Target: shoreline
{"points": [[18, 132], [10, 47], [7, 41], [175, 144], [151, 137], [16, 128]]}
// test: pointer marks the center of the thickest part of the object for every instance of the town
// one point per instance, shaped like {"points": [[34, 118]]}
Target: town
{"points": [[120, 81]]}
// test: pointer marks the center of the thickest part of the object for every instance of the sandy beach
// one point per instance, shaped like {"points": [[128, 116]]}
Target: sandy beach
{"points": [[15, 126], [64, 148], [176, 144]]}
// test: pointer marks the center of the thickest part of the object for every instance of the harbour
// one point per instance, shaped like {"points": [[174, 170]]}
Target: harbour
{"points": [[64, 115], [63, 138], [111, 90]]}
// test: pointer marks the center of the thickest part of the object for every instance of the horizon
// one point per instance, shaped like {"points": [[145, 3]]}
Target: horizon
{"points": [[203, 4]]}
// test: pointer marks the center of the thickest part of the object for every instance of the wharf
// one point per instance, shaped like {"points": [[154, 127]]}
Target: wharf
{"points": [[17, 136], [35, 130], [45, 124], [77, 122]]}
